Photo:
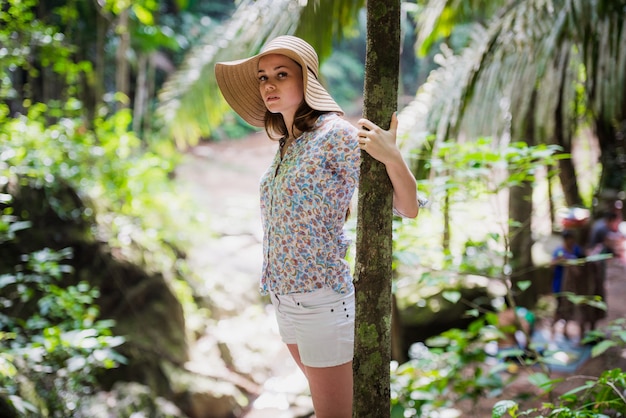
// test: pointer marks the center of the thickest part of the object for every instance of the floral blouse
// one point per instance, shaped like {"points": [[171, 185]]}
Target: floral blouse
{"points": [[304, 200]]}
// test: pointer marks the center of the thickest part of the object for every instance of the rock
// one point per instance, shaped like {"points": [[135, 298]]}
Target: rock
{"points": [[125, 400], [202, 396]]}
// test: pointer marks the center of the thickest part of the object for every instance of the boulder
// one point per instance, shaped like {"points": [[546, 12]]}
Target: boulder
{"points": [[125, 400]]}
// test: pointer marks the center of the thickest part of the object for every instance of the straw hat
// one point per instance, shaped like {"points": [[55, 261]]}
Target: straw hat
{"points": [[239, 84]]}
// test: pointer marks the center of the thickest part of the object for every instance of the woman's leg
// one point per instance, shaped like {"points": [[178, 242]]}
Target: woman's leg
{"points": [[295, 353], [331, 390], [318, 328], [331, 387]]}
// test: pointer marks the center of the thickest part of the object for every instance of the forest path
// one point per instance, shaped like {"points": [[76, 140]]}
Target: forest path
{"points": [[223, 179]]}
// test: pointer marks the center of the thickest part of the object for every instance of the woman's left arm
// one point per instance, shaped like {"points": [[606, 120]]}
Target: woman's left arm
{"points": [[381, 145]]}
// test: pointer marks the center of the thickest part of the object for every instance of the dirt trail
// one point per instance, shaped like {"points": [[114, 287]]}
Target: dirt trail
{"points": [[224, 179]]}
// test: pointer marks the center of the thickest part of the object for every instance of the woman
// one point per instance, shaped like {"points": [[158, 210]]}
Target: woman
{"points": [[305, 198]]}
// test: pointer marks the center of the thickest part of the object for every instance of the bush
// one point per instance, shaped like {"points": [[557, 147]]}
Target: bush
{"points": [[49, 357]]}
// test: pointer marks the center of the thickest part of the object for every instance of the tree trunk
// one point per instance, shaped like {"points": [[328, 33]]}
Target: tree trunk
{"points": [[374, 239], [520, 237], [122, 72], [520, 229], [398, 353], [99, 61], [151, 88], [563, 137], [445, 243], [612, 156], [569, 183], [141, 92]]}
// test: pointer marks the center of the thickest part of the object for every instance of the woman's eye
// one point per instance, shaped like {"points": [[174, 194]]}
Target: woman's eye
{"points": [[262, 78], [282, 75]]}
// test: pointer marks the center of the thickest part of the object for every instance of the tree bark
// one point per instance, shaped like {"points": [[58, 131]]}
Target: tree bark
{"points": [[520, 232], [520, 216], [141, 92], [373, 269], [563, 137], [122, 71], [612, 156], [569, 182]]}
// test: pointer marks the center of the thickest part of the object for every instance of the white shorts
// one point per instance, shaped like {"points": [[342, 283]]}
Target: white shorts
{"points": [[321, 323]]}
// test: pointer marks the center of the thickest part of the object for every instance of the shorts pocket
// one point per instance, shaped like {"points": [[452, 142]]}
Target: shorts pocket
{"points": [[324, 300]]}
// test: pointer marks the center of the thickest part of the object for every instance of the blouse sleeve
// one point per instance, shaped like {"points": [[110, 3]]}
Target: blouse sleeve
{"points": [[343, 153]]}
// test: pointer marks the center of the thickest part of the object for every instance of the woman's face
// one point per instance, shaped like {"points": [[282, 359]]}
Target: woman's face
{"points": [[280, 84]]}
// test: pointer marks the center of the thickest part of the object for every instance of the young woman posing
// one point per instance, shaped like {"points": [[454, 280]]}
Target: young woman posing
{"points": [[305, 196]]}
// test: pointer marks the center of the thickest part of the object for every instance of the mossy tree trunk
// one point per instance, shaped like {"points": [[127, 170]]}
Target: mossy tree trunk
{"points": [[374, 239]]}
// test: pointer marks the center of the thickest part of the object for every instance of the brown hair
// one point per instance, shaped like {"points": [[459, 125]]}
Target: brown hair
{"points": [[304, 120]]}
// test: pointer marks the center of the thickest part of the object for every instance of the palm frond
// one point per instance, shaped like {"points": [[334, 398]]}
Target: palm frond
{"points": [[603, 45], [547, 48], [439, 17], [325, 21]]}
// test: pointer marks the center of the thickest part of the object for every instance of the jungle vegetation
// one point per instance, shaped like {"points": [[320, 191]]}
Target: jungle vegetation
{"points": [[100, 100]]}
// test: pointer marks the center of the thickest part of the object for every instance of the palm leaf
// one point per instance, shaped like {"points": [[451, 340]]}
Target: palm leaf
{"points": [[325, 21], [542, 47], [439, 18]]}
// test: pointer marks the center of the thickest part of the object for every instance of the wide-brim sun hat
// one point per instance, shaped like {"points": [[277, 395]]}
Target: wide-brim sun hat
{"points": [[238, 80]]}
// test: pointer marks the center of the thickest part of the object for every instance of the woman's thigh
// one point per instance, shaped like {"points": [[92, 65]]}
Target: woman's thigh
{"points": [[331, 390]]}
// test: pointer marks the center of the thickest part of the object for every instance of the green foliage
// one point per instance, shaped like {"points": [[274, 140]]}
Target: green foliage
{"points": [[61, 345], [32, 44], [449, 368], [465, 179], [597, 397], [127, 182], [603, 396], [454, 366], [146, 34], [482, 257], [475, 168], [50, 358], [442, 19], [344, 74], [51, 353], [613, 335], [558, 46], [325, 21]]}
